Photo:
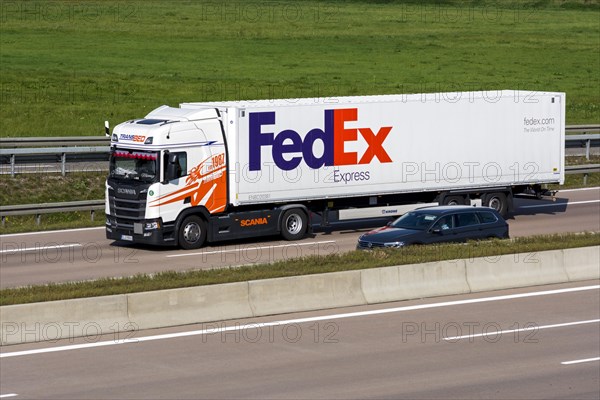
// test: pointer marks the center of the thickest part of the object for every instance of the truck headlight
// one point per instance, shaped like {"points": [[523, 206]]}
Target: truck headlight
{"points": [[150, 226]]}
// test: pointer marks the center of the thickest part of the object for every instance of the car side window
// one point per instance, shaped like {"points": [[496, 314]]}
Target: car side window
{"points": [[444, 223], [487, 217], [467, 219]]}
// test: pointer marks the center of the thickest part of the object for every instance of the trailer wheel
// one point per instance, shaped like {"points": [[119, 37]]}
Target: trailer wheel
{"points": [[498, 202], [454, 201], [192, 233], [293, 224]]}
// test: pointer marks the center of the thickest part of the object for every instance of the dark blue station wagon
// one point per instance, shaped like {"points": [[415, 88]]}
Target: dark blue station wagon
{"points": [[437, 224]]}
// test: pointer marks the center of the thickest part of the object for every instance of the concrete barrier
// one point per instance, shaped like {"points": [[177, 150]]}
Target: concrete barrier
{"points": [[405, 282], [189, 305], [582, 263], [305, 293], [516, 270], [111, 314], [66, 319]]}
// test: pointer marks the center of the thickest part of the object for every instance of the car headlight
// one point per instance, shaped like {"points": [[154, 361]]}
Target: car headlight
{"points": [[394, 244]]}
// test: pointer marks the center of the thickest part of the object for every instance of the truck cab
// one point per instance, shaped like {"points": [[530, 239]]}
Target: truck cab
{"points": [[169, 161]]}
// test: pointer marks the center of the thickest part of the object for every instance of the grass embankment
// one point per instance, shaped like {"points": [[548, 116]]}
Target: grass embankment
{"points": [[51, 188], [66, 67], [294, 267]]}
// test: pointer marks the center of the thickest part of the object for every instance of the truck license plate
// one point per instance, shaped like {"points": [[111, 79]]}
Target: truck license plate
{"points": [[127, 237]]}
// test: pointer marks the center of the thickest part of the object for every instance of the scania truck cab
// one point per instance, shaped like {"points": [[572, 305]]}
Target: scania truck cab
{"points": [[170, 158]]}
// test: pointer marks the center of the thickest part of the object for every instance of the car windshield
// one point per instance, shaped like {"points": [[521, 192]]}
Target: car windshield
{"points": [[137, 165], [414, 220]]}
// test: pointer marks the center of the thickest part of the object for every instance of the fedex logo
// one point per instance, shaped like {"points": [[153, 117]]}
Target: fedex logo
{"points": [[333, 135]]}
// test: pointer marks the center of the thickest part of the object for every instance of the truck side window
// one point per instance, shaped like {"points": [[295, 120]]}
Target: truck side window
{"points": [[182, 157]]}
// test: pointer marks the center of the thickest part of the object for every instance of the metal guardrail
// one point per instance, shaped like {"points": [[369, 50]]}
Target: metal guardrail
{"points": [[582, 128], [47, 208], [586, 140], [54, 141], [29, 146], [93, 205], [6, 143], [582, 169], [61, 151]]}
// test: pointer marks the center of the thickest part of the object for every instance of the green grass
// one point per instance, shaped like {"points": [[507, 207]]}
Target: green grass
{"points": [[51, 188], [581, 160], [50, 222], [68, 66], [302, 266], [576, 181]]}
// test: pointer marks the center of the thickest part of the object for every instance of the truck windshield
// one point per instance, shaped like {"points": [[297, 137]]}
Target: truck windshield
{"points": [[137, 165], [413, 220]]}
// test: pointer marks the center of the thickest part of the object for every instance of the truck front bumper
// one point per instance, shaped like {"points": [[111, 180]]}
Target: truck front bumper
{"points": [[151, 232]]}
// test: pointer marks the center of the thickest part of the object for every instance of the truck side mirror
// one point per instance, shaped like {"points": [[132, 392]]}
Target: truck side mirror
{"points": [[172, 167]]}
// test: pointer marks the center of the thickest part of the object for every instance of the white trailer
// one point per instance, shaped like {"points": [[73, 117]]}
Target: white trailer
{"points": [[223, 170]]}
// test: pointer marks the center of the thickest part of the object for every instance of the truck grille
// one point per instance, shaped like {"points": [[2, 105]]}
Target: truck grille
{"points": [[127, 209]]}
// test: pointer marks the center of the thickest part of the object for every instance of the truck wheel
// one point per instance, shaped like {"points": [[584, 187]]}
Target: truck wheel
{"points": [[498, 202], [192, 233], [454, 201], [293, 224]]}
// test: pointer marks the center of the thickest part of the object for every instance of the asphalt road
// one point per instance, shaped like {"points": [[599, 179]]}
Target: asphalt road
{"points": [[530, 343], [39, 258]]}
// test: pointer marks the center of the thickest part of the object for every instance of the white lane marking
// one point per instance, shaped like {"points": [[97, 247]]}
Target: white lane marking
{"points": [[580, 361], [204, 253], [570, 203], [579, 189], [295, 321], [5, 396], [530, 328], [38, 248], [50, 232]]}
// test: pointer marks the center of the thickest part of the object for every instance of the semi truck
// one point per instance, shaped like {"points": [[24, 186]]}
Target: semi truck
{"points": [[215, 171]]}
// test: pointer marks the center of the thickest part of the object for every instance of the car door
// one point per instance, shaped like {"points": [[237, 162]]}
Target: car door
{"points": [[492, 225], [443, 230], [468, 226]]}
